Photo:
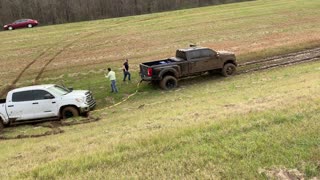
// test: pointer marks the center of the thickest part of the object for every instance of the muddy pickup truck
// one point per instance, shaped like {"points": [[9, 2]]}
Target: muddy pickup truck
{"points": [[187, 62], [44, 102]]}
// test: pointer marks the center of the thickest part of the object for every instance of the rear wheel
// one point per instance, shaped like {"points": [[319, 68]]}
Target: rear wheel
{"points": [[69, 112], [30, 26], [169, 82], [228, 70]]}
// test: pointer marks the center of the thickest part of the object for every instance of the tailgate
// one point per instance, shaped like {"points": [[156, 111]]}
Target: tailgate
{"points": [[144, 71]]}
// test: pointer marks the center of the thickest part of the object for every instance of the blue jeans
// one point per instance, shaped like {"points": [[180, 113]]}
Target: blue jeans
{"points": [[113, 86], [125, 74]]}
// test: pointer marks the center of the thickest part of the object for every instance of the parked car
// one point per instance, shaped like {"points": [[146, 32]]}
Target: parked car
{"points": [[44, 102], [187, 62], [21, 23]]}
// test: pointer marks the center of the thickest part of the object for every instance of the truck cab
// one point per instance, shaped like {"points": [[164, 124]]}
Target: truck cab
{"points": [[44, 101]]}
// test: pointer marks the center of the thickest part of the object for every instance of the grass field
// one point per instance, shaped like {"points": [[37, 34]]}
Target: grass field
{"points": [[78, 53], [244, 127], [229, 128]]}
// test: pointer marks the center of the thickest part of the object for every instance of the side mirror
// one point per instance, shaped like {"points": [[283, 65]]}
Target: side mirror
{"points": [[48, 96], [70, 89]]}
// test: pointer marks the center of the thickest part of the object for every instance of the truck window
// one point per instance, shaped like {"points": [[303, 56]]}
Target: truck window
{"points": [[206, 53], [39, 94], [195, 54], [22, 96], [181, 54]]}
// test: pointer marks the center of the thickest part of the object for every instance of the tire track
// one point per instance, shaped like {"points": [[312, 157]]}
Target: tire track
{"points": [[308, 59], [282, 60], [42, 70], [14, 82], [275, 58], [67, 46], [12, 85]]}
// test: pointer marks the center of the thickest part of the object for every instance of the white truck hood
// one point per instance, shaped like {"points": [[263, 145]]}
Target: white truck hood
{"points": [[76, 93]]}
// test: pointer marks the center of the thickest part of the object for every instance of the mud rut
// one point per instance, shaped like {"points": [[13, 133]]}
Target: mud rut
{"points": [[251, 66], [42, 70], [282, 60], [54, 126]]}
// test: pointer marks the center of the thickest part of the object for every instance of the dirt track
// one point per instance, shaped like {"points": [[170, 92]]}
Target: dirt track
{"points": [[55, 128], [282, 60], [42, 70]]}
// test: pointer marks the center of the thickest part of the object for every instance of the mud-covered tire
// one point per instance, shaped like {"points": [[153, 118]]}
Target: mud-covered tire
{"points": [[85, 114], [69, 112], [168, 82], [228, 70], [1, 125]]}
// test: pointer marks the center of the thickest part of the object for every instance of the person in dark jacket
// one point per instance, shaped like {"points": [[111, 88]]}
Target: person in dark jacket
{"points": [[126, 71]]}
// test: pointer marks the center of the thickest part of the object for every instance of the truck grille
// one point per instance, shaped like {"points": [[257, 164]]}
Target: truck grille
{"points": [[90, 100]]}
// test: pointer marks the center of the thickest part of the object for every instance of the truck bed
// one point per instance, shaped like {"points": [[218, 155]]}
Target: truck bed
{"points": [[154, 63], [2, 101]]}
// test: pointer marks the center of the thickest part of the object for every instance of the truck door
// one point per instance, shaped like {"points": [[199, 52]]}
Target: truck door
{"points": [[202, 60], [21, 106], [45, 104]]}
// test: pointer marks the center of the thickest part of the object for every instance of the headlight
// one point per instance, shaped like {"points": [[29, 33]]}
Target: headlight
{"points": [[5, 26]]}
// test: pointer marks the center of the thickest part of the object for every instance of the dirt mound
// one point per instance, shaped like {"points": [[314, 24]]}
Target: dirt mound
{"points": [[23, 131], [283, 174]]}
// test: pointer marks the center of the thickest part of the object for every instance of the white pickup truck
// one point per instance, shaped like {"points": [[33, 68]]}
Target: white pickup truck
{"points": [[44, 102]]}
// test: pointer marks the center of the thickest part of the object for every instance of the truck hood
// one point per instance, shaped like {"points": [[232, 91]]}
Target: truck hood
{"points": [[225, 53], [76, 93]]}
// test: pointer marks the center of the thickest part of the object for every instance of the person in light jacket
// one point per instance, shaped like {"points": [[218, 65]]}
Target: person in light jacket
{"points": [[112, 77]]}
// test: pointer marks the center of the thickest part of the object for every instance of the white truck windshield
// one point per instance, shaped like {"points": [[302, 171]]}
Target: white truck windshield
{"points": [[59, 90]]}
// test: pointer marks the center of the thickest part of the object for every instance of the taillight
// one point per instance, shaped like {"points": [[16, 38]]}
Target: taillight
{"points": [[149, 71]]}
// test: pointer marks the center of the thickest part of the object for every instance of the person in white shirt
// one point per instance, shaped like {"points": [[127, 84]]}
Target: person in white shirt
{"points": [[112, 77]]}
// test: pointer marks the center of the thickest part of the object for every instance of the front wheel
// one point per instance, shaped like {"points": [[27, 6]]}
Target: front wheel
{"points": [[1, 125], [228, 70], [69, 112], [169, 82], [30, 26], [10, 28]]}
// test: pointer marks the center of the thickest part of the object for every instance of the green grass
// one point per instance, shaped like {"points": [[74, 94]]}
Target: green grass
{"points": [[228, 149], [209, 127]]}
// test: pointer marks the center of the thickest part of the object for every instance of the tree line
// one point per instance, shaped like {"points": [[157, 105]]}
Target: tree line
{"points": [[63, 11]]}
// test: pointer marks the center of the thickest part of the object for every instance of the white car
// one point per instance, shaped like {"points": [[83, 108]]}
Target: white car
{"points": [[44, 102]]}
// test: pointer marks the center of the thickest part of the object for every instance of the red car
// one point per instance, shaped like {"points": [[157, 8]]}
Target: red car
{"points": [[21, 23]]}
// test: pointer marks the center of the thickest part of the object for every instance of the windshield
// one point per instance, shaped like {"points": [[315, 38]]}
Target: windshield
{"points": [[59, 90]]}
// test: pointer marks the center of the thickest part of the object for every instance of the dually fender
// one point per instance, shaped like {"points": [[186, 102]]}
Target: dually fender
{"points": [[170, 71]]}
